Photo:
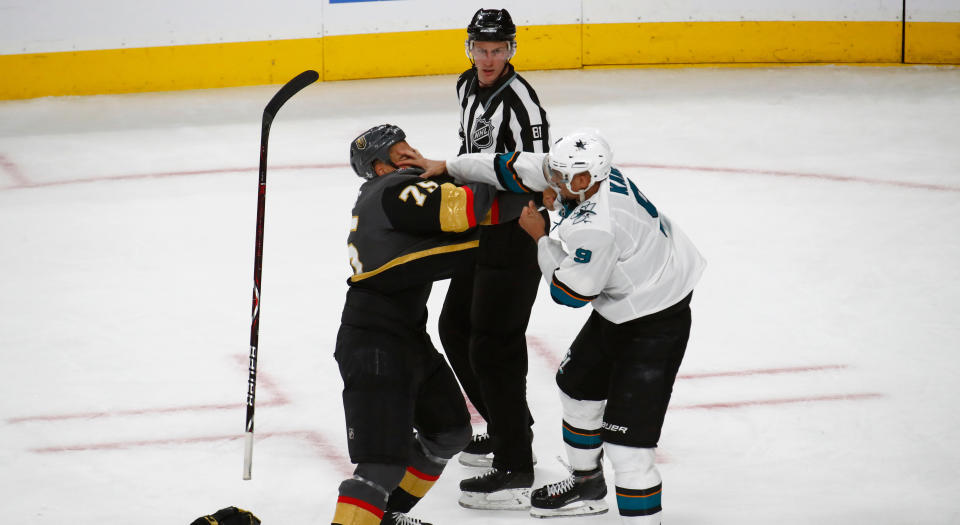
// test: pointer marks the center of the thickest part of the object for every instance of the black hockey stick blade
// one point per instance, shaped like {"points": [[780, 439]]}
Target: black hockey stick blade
{"points": [[288, 90]]}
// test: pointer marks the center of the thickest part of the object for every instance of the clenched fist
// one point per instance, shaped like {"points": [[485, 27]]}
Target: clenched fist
{"points": [[532, 222]]}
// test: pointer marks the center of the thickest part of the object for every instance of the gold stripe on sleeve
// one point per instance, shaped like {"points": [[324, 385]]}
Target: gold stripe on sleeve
{"points": [[453, 208]]}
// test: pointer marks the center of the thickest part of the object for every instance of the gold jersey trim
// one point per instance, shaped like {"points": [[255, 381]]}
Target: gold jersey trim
{"points": [[453, 208], [403, 259]]}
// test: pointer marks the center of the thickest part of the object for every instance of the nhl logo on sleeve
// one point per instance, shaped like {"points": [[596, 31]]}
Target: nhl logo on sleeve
{"points": [[482, 136]]}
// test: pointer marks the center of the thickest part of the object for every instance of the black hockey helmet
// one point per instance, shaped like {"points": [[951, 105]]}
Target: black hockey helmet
{"points": [[373, 144], [492, 25]]}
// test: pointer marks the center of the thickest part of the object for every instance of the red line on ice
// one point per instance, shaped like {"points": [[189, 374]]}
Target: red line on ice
{"points": [[265, 383], [119, 445], [11, 169], [24, 183], [136, 412], [783, 401], [552, 361], [795, 174], [762, 371], [327, 450], [164, 174], [543, 351]]}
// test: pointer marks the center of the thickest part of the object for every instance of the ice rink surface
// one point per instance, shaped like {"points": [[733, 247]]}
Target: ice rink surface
{"points": [[821, 380]]}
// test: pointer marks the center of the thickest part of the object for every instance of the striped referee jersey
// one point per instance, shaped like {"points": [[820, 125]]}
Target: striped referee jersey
{"points": [[503, 117]]}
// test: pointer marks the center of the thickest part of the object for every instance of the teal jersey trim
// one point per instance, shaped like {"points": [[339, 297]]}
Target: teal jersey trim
{"points": [[507, 174]]}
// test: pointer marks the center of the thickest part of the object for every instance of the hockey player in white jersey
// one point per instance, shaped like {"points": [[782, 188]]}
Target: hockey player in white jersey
{"points": [[638, 270]]}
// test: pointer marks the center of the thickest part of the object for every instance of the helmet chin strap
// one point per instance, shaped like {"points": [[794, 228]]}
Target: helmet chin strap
{"points": [[581, 194]]}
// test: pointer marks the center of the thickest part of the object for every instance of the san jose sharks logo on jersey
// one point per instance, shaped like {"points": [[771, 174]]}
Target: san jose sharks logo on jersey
{"points": [[482, 135], [584, 212]]}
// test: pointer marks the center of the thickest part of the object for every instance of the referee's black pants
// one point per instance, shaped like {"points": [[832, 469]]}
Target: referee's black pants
{"points": [[483, 331]]}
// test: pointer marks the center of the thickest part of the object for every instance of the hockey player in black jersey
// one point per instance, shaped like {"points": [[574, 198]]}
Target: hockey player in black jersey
{"points": [[487, 308], [405, 414]]}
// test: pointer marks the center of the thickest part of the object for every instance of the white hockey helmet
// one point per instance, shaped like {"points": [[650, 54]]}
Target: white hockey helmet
{"points": [[579, 152]]}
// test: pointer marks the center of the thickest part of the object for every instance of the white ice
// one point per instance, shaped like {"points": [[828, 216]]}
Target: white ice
{"points": [[826, 200]]}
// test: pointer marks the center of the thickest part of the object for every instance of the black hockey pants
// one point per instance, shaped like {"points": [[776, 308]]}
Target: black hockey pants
{"points": [[483, 331]]}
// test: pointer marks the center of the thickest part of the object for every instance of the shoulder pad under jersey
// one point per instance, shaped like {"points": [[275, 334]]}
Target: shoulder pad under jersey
{"points": [[410, 170]]}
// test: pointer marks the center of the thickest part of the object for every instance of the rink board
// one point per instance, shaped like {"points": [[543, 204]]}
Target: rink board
{"points": [[57, 49]]}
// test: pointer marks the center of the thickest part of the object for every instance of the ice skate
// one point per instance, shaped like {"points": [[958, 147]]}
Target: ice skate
{"points": [[497, 490], [582, 494], [399, 518], [479, 453]]}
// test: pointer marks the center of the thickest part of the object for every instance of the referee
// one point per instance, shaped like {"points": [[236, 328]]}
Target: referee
{"points": [[484, 319]]}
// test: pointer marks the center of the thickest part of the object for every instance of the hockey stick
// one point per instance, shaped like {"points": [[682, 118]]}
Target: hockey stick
{"points": [[288, 90]]}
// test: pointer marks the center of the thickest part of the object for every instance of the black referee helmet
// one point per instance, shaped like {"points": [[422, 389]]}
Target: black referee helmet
{"points": [[492, 25]]}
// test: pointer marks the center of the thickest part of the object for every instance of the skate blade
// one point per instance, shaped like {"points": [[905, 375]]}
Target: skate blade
{"points": [[509, 499], [478, 460], [577, 508], [475, 460]]}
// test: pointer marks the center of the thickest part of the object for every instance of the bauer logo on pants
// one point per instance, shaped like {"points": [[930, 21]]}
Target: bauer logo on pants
{"points": [[614, 428]]}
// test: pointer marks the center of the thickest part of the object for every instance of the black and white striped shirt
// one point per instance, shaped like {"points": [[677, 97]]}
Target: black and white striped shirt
{"points": [[503, 117]]}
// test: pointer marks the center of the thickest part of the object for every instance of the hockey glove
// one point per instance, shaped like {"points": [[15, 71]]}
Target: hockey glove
{"points": [[228, 516]]}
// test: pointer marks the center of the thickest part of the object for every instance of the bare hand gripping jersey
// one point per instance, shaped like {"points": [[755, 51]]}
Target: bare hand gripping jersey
{"points": [[623, 255]]}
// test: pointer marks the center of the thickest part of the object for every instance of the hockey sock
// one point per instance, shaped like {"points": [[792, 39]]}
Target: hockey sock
{"points": [[419, 477], [638, 484], [581, 431], [363, 498]]}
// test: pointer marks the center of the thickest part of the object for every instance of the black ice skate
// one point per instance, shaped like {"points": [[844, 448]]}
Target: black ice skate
{"points": [[399, 518], [579, 495], [497, 490], [479, 453]]}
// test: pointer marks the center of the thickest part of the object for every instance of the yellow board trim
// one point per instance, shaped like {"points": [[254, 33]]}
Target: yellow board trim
{"points": [[437, 52], [748, 65], [732, 42], [414, 256], [157, 68], [413, 53], [932, 43]]}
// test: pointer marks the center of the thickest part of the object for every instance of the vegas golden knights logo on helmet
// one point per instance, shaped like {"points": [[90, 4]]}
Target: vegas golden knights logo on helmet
{"points": [[362, 143]]}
